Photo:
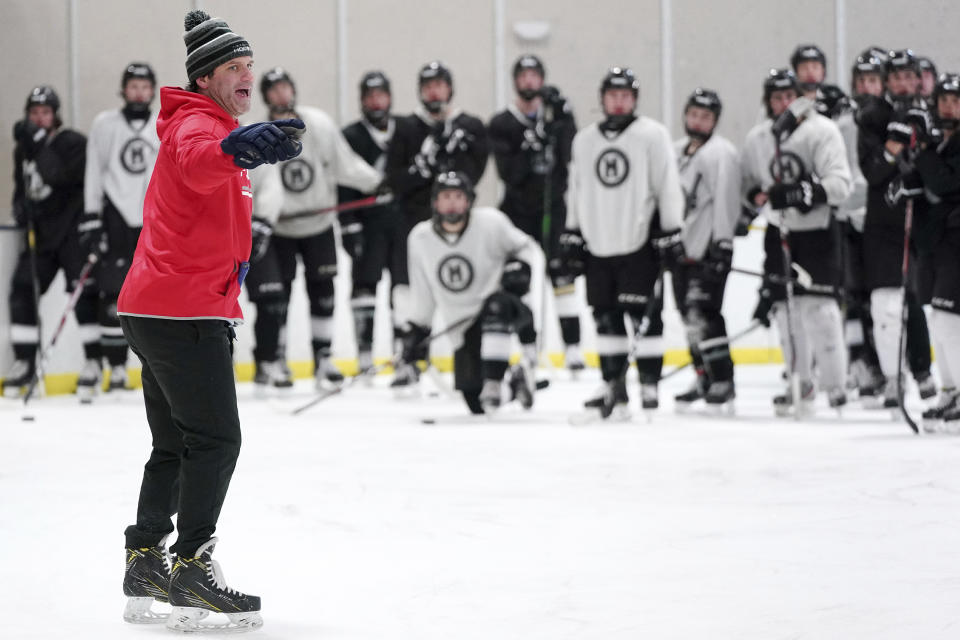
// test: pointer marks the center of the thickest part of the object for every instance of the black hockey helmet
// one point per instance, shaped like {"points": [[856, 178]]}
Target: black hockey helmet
{"points": [[140, 70], [947, 83], [271, 77], [43, 94], [926, 64], [430, 71], [902, 60], [805, 52], [705, 99], [620, 78], [374, 80], [778, 80], [529, 61], [869, 61], [831, 100], [444, 182]]}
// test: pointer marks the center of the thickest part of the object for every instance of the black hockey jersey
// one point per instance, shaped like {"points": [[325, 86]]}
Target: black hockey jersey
{"points": [[524, 162], [421, 149], [49, 187], [372, 145]]}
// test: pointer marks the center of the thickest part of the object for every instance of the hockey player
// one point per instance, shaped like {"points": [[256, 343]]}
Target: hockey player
{"points": [[281, 232], [928, 81], [623, 171], [47, 202], [810, 66], [177, 308], [531, 141], [471, 266], [710, 175], [373, 237], [436, 138], [798, 181], [885, 129], [937, 166], [121, 151]]}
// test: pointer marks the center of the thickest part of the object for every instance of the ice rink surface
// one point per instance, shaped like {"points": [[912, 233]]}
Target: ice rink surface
{"points": [[355, 520]]}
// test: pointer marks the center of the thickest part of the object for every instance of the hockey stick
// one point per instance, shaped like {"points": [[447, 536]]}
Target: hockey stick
{"points": [[784, 234], [92, 260], [756, 324], [362, 203], [904, 306], [369, 372], [803, 277]]}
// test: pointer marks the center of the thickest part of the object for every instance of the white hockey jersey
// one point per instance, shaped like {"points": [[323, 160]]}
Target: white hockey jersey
{"points": [[309, 181], [711, 183], [455, 276], [854, 208], [815, 151], [618, 181], [120, 159]]}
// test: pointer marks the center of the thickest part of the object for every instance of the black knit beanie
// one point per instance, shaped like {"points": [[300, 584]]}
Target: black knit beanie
{"points": [[210, 43]]}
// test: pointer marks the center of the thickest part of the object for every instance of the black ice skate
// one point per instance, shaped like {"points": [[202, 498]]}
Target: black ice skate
{"points": [[611, 401], [273, 374], [926, 385], [19, 378], [698, 391], [146, 580], [649, 396], [326, 373], [197, 588], [783, 403], [405, 379], [574, 360], [522, 384], [837, 398], [491, 396], [933, 418], [118, 378], [720, 396], [89, 380]]}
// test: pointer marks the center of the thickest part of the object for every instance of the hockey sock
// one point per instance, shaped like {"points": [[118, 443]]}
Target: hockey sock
{"points": [[267, 329], [946, 336], [86, 313], [885, 307], [823, 327], [918, 337]]}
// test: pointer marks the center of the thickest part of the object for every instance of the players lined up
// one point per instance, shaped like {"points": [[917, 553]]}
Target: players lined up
{"points": [[639, 204]]}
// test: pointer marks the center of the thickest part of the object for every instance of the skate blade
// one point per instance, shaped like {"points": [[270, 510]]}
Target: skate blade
{"points": [[187, 620], [722, 408], [682, 407], [139, 611]]}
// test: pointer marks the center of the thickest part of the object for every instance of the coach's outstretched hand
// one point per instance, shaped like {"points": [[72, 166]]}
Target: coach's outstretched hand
{"points": [[269, 142]]}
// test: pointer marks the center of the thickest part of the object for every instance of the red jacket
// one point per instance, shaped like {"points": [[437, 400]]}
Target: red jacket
{"points": [[196, 218]]}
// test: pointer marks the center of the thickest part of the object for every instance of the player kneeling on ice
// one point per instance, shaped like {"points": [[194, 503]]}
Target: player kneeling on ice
{"points": [[795, 168], [473, 267]]}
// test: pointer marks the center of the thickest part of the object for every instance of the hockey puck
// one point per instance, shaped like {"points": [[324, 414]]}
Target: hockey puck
{"points": [[28, 418], [428, 421]]}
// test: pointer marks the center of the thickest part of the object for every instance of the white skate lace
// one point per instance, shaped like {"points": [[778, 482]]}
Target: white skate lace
{"points": [[215, 574]]}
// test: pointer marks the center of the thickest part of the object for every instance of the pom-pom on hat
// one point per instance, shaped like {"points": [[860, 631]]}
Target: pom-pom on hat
{"points": [[210, 43]]}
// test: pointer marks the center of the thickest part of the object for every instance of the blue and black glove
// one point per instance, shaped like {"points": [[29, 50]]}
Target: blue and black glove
{"points": [[269, 142]]}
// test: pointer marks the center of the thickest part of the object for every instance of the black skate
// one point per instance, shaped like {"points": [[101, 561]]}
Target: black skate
{"points": [[934, 417], [649, 396], [491, 396], [89, 380], [326, 373], [197, 588], [405, 379], [19, 378], [720, 396], [272, 374], [118, 378], [574, 360], [682, 401], [837, 398], [146, 580], [522, 384], [611, 402], [783, 403], [926, 385]]}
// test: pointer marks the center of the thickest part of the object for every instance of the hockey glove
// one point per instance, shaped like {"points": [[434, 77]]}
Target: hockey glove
{"points": [[30, 137], [719, 257], [415, 344], [262, 142], [351, 235], [571, 258], [762, 313], [516, 277], [92, 238], [747, 216], [669, 247], [261, 230], [922, 123], [901, 187], [803, 196]]}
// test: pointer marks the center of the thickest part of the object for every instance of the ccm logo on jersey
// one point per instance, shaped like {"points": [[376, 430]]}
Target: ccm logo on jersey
{"points": [[793, 169], [612, 167], [297, 175], [133, 156], [455, 273]]}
